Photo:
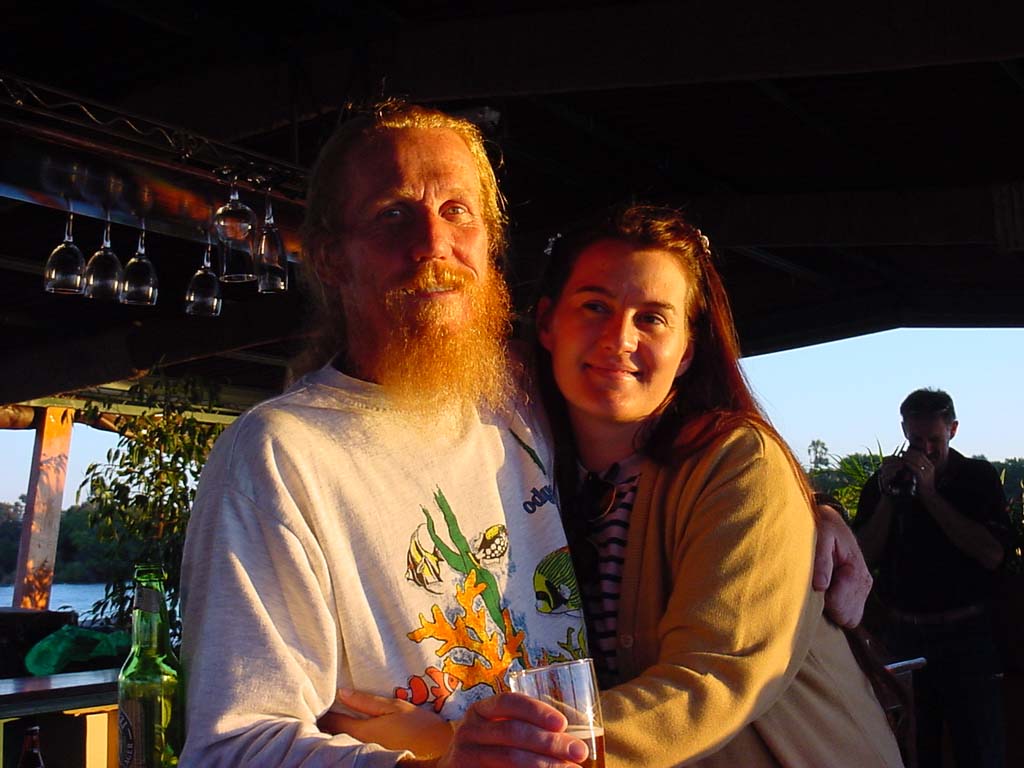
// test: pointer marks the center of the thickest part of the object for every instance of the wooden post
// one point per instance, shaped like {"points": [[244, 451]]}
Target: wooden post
{"points": [[41, 524]]}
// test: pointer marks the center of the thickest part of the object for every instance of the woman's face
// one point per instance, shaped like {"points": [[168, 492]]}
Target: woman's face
{"points": [[618, 334]]}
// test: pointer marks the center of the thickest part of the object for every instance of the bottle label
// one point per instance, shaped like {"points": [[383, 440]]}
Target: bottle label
{"points": [[147, 599], [131, 733]]}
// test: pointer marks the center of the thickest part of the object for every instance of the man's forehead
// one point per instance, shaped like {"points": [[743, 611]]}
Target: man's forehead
{"points": [[926, 425], [407, 157]]}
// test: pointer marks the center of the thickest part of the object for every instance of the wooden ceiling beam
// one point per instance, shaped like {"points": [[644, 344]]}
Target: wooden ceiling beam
{"points": [[909, 216], [921, 216], [863, 312], [608, 47], [660, 44]]}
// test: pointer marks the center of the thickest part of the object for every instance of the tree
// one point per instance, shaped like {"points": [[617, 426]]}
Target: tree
{"points": [[817, 451], [82, 557], [10, 537], [139, 499]]}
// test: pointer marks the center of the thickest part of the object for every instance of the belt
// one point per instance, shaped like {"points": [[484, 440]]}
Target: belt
{"points": [[941, 617]]}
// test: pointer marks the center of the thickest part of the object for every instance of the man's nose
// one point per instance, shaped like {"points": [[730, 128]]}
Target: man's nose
{"points": [[431, 238], [619, 333]]}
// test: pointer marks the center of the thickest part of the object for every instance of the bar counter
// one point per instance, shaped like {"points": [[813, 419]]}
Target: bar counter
{"points": [[20, 696]]}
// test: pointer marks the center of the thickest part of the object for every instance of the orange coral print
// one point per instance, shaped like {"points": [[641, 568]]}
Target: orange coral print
{"points": [[492, 653]]}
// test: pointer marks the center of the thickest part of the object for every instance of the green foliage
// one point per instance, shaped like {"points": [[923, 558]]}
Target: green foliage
{"points": [[844, 476], [1015, 492], [139, 499]]}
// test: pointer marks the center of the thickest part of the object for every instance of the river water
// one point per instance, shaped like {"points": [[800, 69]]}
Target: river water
{"points": [[77, 597]]}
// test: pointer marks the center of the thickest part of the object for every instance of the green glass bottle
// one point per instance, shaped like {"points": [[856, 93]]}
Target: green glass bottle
{"points": [[150, 688]]}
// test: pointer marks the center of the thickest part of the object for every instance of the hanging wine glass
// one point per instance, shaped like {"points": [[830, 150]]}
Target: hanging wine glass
{"points": [[65, 267], [203, 295], [236, 262], [234, 220], [103, 274], [140, 280], [271, 259]]}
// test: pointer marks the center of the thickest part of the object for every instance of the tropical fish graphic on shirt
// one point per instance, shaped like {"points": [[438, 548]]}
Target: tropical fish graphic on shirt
{"points": [[554, 583], [434, 685], [423, 564], [492, 544]]}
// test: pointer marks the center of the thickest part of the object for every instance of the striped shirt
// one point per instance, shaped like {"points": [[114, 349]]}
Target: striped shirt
{"points": [[607, 530]]}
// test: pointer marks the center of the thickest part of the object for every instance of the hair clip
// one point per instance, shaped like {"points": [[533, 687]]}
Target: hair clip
{"points": [[704, 242]]}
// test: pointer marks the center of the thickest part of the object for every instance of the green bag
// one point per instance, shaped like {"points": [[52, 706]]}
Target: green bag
{"points": [[74, 649]]}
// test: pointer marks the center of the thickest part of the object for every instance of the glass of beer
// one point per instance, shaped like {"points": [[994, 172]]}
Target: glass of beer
{"points": [[571, 688]]}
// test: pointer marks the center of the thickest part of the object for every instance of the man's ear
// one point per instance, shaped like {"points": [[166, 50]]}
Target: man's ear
{"points": [[952, 429], [328, 263], [684, 364], [545, 308]]}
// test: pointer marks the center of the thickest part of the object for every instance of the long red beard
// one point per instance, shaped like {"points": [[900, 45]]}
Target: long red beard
{"points": [[438, 356]]}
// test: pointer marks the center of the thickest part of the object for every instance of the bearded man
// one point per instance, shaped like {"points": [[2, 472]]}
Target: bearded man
{"points": [[389, 524]]}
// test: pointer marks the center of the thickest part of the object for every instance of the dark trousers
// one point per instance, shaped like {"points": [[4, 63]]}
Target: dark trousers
{"points": [[961, 687]]}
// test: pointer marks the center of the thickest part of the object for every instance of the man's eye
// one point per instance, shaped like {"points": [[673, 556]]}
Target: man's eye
{"points": [[652, 319], [391, 213], [595, 306], [455, 209]]}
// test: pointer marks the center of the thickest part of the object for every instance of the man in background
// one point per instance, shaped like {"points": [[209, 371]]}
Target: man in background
{"points": [[936, 524]]}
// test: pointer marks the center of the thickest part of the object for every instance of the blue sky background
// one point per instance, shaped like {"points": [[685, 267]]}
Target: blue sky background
{"points": [[846, 393]]}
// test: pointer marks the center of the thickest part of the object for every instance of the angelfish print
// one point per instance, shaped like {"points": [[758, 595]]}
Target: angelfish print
{"points": [[423, 565]]}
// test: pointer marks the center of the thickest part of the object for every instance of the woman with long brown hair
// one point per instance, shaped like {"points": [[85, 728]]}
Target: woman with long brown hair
{"points": [[689, 518]]}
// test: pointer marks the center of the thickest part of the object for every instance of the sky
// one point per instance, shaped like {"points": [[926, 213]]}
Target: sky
{"points": [[846, 393]]}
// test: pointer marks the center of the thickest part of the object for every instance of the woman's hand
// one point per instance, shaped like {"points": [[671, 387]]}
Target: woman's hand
{"points": [[390, 722]]}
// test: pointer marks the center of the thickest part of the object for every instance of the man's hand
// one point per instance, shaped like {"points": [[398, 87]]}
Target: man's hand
{"points": [[922, 468], [839, 569], [891, 467], [511, 730]]}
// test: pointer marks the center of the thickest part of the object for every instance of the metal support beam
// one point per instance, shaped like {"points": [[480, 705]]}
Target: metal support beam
{"points": [[40, 526]]}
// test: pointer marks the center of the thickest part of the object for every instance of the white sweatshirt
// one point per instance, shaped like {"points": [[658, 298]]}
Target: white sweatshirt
{"points": [[334, 545]]}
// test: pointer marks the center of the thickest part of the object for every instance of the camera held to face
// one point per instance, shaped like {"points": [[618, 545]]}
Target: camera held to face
{"points": [[903, 483]]}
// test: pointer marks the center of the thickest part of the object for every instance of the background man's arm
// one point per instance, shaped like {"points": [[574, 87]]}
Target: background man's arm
{"points": [[969, 536], [875, 511], [874, 534]]}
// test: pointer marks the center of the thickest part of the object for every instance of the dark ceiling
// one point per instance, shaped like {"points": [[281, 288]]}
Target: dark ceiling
{"points": [[857, 168]]}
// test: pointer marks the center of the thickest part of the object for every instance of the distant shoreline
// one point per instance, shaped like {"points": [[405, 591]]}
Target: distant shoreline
{"points": [[77, 597]]}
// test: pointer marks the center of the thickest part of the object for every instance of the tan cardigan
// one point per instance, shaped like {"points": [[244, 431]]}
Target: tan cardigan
{"points": [[721, 637]]}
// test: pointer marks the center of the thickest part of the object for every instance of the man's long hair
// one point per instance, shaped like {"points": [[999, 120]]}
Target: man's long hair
{"points": [[322, 229]]}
